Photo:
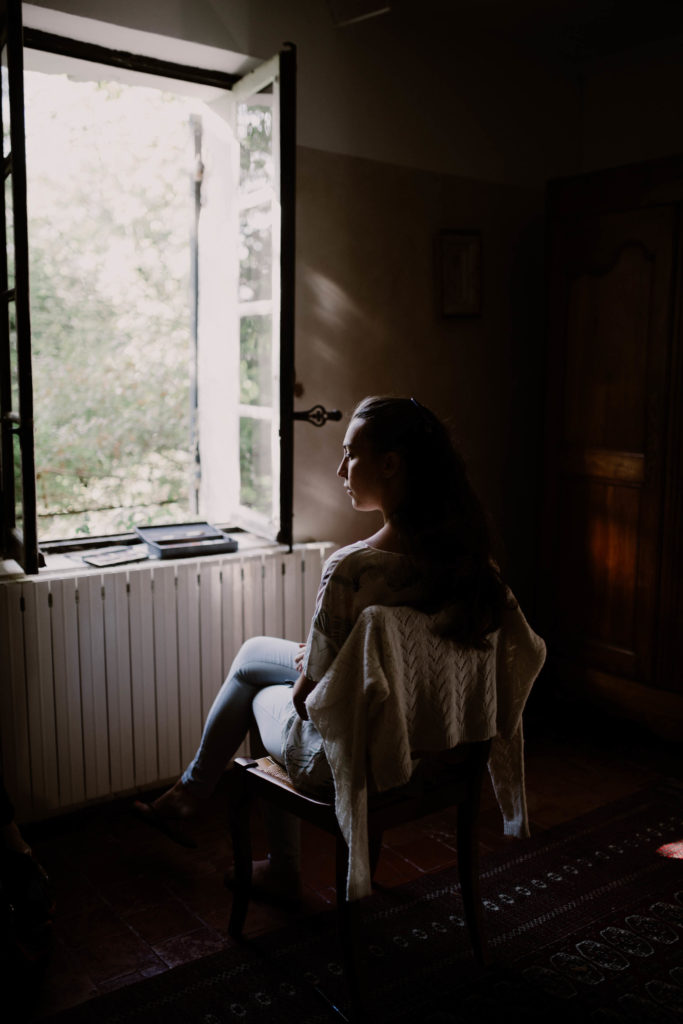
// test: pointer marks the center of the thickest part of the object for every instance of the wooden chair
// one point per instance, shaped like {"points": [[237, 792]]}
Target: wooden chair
{"points": [[451, 778]]}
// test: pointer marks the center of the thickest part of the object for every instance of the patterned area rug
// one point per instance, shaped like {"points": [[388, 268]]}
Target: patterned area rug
{"points": [[584, 923]]}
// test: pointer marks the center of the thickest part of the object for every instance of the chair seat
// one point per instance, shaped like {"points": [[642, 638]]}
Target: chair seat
{"points": [[437, 783], [268, 768]]}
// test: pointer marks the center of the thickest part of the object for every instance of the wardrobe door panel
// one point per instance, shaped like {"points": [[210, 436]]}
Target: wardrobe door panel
{"points": [[610, 326], [598, 560], [608, 310]]}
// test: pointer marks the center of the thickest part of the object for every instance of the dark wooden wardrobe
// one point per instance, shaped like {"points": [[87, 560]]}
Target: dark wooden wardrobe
{"points": [[612, 555]]}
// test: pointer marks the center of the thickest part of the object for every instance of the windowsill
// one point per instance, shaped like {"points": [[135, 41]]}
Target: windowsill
{"points": [[66, 563]]}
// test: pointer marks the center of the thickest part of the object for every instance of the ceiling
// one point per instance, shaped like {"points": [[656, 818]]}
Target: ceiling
{"points": [[572, 29]]}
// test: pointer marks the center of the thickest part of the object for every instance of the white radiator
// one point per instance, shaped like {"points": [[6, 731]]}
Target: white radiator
{"points": [[107, 676]]}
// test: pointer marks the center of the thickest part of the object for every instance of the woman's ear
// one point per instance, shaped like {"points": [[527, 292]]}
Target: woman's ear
{"points": [[391, 464]]}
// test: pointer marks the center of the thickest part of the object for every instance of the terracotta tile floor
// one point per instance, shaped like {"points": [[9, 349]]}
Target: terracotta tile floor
{"points": [[131, 904]]}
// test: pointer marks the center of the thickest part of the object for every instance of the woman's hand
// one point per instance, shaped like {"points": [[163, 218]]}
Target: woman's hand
{"points": [[300, 691], [299, 657]]}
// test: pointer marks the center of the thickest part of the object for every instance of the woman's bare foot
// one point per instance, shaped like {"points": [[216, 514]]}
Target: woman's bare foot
{"points": [[276, 880], [272, 882]]}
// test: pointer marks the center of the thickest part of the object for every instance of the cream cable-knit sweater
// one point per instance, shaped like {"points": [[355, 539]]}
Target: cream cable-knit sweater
{"points": [[396, 687]]}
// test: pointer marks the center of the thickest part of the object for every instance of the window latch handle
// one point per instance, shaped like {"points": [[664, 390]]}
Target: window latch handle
{"points": [[318, 415]]}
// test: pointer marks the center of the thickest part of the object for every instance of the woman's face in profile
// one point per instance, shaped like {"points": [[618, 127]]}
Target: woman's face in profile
{"points": [[361, 469]]}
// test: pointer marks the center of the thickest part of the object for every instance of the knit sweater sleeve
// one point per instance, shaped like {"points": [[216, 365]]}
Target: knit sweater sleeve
{"points": [[334, 614], [341, 708], [506, 769], [520, 655]]}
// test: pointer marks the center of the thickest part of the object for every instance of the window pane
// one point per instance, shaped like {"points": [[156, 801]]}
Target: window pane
{"points": [[18, 493], [256, 374], [255, 133], [9, 227], [14, 357], [256, 479], [5, 104], [256, 253]]}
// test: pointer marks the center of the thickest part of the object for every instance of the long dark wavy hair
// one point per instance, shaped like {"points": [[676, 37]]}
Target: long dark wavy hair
{"points": [[440, 520]]}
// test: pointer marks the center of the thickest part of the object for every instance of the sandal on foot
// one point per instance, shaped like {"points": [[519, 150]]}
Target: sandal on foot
{"points": [[170, 827]]}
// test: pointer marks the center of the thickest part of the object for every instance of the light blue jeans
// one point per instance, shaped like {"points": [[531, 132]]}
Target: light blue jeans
{"points": [[259, 683]]}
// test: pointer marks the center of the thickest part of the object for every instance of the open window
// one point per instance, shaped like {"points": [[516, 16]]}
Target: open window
{"points": [[160, 245], [17, 472], [246, 423]]}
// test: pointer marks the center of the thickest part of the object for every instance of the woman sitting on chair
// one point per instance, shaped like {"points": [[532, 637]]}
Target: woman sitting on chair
{"points": [[432, 553]]}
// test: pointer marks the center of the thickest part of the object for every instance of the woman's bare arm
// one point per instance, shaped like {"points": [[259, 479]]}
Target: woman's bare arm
{"points": [[300, 691]]}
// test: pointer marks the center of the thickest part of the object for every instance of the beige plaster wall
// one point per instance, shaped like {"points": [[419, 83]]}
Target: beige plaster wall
{"points": [[368, 321]]}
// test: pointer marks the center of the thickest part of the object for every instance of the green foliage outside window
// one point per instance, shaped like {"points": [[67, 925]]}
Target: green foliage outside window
{"points": [[256, 380], [109, 225], [255, 132], [110, 205], [256, 480]]}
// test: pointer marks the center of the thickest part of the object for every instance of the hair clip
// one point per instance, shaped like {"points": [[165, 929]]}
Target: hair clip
{"points": [[425, 415]]}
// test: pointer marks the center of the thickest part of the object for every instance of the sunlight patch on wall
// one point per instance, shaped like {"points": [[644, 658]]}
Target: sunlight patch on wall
{"points": [[335, 315]]}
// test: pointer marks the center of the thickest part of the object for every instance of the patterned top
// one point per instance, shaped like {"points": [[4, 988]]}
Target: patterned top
{"points": [[355, 577]]}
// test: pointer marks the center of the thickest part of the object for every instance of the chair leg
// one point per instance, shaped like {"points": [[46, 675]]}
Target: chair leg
{"points": [[348, 917], [239, 806], [468, 870]]}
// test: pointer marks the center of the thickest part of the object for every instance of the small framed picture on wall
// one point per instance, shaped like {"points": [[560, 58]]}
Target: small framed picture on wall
{"points": [[459, 272]]}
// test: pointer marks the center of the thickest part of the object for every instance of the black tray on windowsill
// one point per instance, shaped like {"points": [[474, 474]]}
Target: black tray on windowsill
{"points": [[185, 540]]}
